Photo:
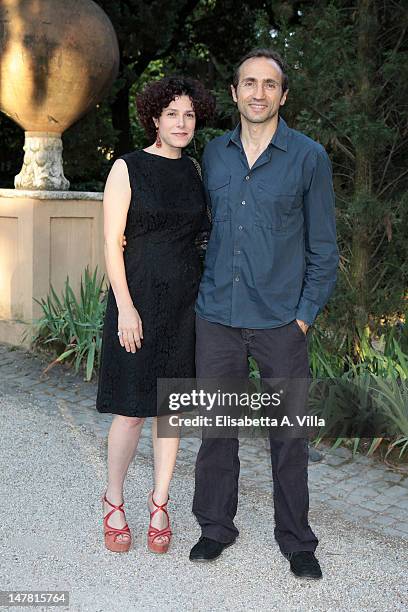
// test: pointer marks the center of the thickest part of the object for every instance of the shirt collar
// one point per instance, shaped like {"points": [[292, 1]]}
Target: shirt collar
{"points": [[279, 140]]}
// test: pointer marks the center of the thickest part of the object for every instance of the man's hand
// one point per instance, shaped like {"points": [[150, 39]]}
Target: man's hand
{"points": [[303, 326], [123, 242]]}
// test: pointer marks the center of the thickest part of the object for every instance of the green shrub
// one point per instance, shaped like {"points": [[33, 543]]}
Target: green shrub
{"points": [[374, 389], [72, 327]]}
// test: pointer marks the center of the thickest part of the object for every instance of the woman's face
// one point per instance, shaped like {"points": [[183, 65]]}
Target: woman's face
{"points": [[177, 122]]}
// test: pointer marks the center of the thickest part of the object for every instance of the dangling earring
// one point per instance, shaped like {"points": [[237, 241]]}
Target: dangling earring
{"points": [[194, 144], [158, 142]]}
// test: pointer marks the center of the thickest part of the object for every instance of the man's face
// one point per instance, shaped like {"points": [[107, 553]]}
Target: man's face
{"points": [[259, 91]]}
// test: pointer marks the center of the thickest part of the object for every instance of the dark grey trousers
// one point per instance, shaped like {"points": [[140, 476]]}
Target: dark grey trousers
{"points": [[281, 352]]}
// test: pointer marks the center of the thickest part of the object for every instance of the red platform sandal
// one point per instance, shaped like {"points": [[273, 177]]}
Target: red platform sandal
{"points": [[111, 533], [154, 533]]}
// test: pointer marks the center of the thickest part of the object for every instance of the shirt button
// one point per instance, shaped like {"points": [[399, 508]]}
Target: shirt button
{"points": [[243, 203], [247, 177], [240, 228], [237, 278]]}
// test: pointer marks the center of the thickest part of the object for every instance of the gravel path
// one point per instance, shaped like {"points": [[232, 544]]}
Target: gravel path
{"points": [[53, 473], [361, 489]]}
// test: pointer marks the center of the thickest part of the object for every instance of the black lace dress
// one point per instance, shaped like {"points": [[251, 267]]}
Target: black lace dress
{"points": [[167, 213]]}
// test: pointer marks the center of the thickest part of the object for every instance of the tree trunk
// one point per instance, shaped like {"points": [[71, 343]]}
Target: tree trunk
{"points": [[366, 53], [121, 121]]}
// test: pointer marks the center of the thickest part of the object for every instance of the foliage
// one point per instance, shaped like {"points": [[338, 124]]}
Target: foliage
{"points": [[357, 111], [393, 399], [373, 391], [88, 148], [73, 327], [11, 151]]}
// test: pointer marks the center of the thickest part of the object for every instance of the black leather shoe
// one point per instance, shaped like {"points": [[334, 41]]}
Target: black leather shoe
{"points": [[304, 564], [207, 549]]}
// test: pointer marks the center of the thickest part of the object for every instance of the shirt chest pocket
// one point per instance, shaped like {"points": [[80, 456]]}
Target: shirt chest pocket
{"points": [[275, 209], [218, 190]]}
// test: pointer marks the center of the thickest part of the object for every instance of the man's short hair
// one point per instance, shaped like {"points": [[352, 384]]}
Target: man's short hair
{"points": [[268, 53]]}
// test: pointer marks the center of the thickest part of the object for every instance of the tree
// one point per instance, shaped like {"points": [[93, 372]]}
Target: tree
{"points": [[156, 39], [348, 90], [146, 31]]}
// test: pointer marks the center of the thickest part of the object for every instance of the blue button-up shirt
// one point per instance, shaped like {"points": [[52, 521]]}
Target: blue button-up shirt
{"points": [[272, 254]]}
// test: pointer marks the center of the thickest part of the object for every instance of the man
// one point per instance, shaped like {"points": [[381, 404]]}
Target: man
{"points": [[270, 268]]}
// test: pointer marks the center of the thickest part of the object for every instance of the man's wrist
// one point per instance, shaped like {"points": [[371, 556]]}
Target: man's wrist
{"points": [[306, 311], [303, 325]]}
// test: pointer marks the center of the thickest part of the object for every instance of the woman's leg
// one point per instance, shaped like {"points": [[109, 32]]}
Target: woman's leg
{"points": [[165, 453], [123, 439]]}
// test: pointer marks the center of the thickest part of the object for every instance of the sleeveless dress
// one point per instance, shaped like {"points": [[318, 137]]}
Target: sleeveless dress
{"points": [[167, 212]]}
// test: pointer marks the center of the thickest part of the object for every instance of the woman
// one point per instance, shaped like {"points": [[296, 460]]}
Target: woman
{"points": [[156, 198]]}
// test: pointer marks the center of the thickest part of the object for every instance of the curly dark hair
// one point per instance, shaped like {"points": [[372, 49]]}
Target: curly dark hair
{"points": [[157, 95]]}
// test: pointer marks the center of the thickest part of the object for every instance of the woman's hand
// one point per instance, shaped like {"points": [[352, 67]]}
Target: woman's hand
{"points": [[123, 242], [130, 326]]}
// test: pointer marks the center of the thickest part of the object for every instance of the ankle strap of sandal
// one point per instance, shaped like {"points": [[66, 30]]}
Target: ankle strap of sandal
{"points": [[120, 507], [125, 528], [161, 507]]}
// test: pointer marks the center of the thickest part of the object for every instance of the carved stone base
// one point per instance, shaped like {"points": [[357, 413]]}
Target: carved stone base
{"points": [[42, 165]]}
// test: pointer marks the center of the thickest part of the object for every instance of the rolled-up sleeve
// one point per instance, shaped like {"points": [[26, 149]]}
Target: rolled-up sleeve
{"points": [[321, 251]]}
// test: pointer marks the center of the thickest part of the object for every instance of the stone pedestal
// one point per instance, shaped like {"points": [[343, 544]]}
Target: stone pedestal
{"points": [[42, 165], [44, 236]]}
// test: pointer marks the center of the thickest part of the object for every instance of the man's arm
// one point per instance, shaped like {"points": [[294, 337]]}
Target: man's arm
{"points": [[321, 252]]}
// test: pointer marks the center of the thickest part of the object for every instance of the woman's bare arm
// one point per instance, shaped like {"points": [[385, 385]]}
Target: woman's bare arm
{"points": [[116, 202]]}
